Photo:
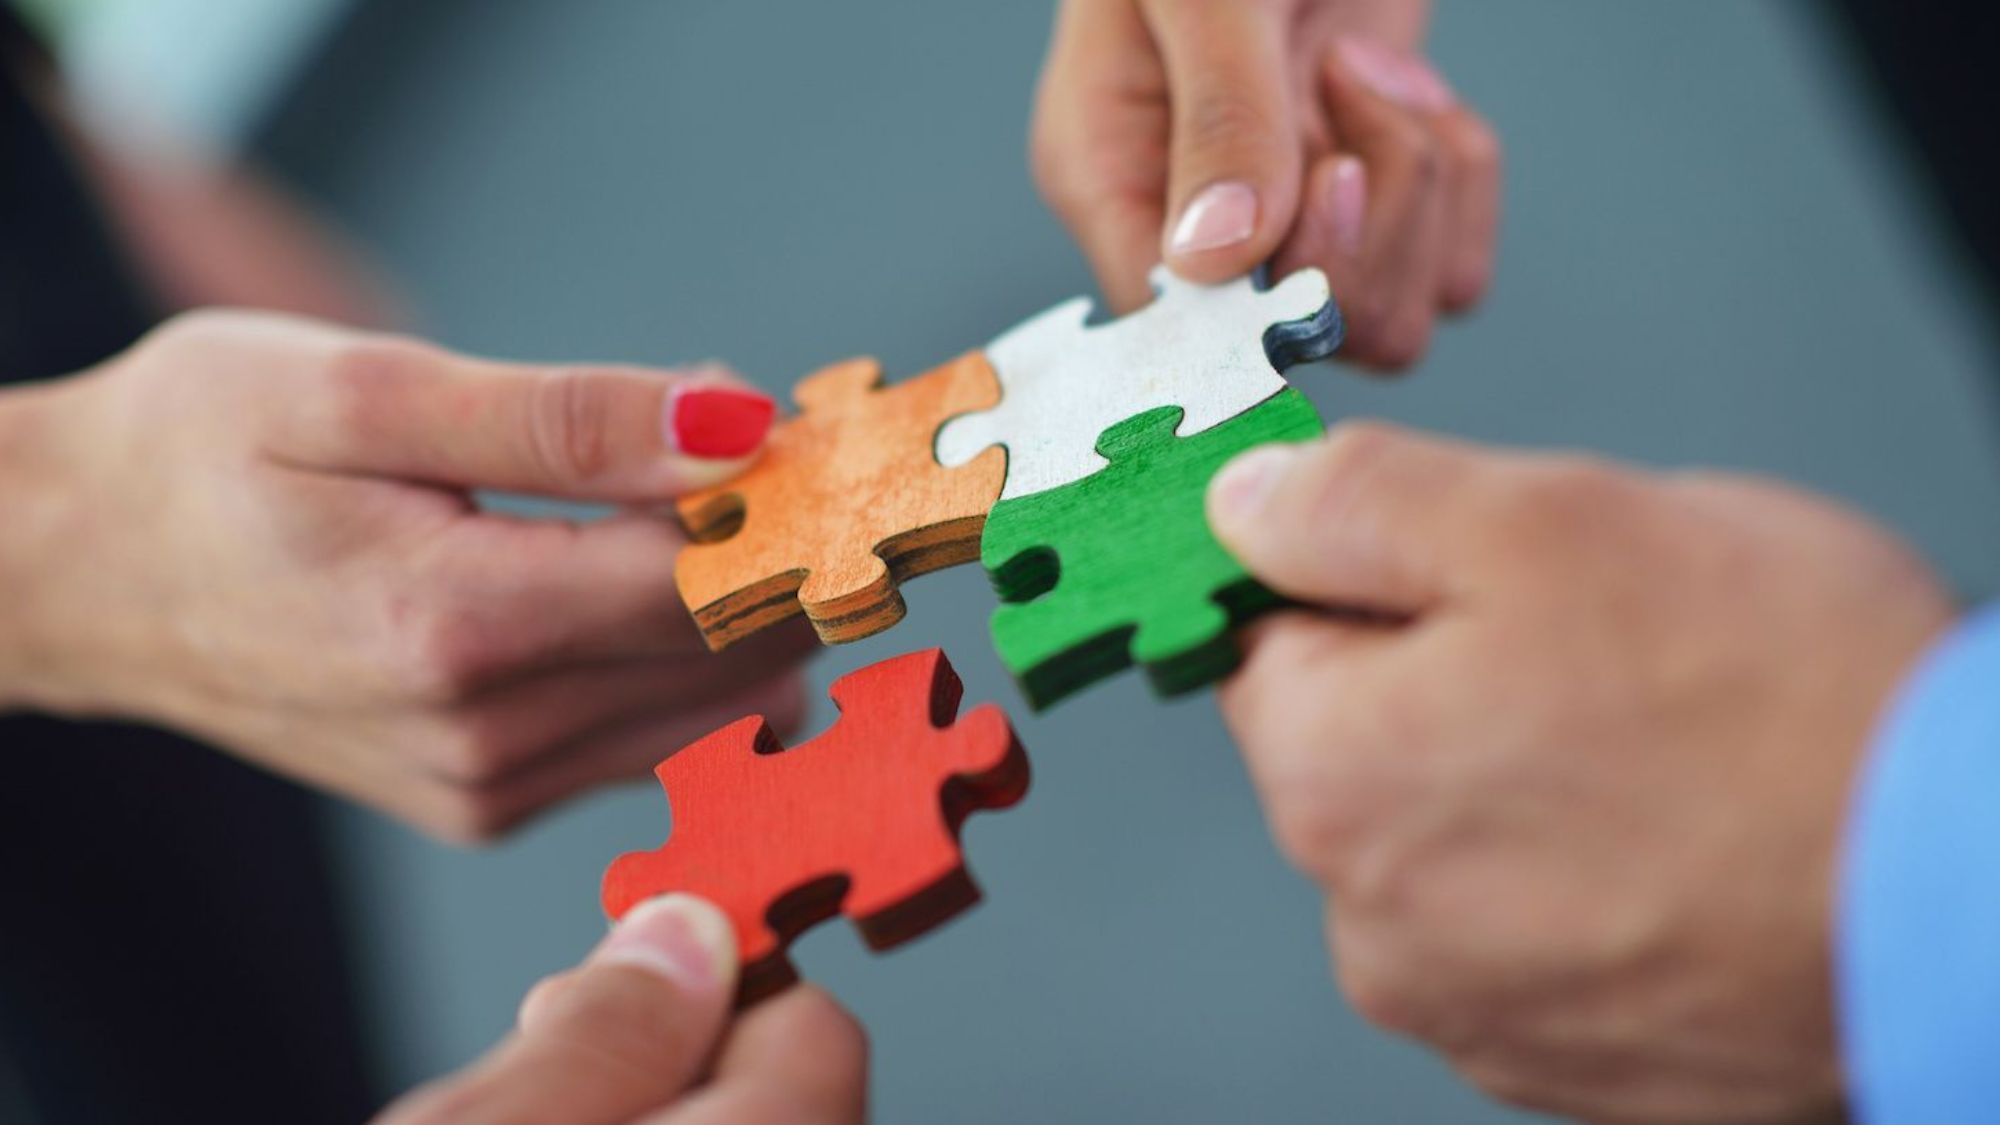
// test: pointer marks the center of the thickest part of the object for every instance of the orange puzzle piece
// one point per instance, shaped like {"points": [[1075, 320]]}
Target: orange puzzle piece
{"points": [[862, 820], [846, 502]]}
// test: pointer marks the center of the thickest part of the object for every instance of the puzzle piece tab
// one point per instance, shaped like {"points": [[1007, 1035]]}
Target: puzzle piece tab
{"points": [[1215, 351], [862, 820], [1120, 567], [846, 501]]}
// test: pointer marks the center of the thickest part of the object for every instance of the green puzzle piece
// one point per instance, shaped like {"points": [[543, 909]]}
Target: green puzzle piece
{"points": [[1120, 568]]}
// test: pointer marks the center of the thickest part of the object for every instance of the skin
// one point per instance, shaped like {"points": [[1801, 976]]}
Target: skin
{"points": [[281, 553], [1567, 746], [1144, 103], [642, 1034], [260, 530]]}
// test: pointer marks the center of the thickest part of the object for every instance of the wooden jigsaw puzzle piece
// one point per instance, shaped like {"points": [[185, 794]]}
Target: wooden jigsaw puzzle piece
{"points": [[862, 820], [846, 502], [1120, 567], [1215, 351]]}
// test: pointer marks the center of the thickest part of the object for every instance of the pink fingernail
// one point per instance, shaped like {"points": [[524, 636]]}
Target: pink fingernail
{"points": [[680, 937], [1404, 79], [1219, 215], [1348, 203]]}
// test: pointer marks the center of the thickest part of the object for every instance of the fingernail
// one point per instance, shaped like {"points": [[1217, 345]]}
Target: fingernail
{"points": [[1219, 215], [682, 938], [1349, 203], [1402, 78], [717, 422], [1239, 490]]}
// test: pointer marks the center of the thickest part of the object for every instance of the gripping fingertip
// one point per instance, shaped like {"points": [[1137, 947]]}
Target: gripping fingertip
{"points": [[1238, 493], [684, 939]]}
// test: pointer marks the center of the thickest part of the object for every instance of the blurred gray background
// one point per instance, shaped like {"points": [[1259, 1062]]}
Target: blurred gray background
{"points": [[1711, 255]]}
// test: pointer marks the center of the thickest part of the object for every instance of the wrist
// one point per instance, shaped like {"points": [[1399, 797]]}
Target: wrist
{"points": [[33, 495]]}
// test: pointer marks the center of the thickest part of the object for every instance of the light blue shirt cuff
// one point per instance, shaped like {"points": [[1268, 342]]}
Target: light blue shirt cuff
{"points": [[1918, 931]]}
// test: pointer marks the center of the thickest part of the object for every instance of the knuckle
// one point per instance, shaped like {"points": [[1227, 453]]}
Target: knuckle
{"points": [[1222, 119], [1313, 828], [366, 365], [569, 420], [1428, 160], [1412, 154], [1570, 495], [445, 656], [1504, 1083], [466, 751], [1404, 340], [361, 376], [468, 818], [1050, 166], [1367, 315], [1477, 147], [208, 339], [1377, 995], [195, 326], [1352, 453], [537, 998], [1380, 875], [1465, 285]]}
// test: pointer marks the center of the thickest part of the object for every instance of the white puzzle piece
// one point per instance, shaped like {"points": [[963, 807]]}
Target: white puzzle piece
{"points": [[1213, 350]]}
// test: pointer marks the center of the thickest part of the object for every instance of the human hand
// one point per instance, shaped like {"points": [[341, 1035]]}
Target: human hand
{"points": [[1575, 793], [641, 1032], [258, 530], [1299, 132]]}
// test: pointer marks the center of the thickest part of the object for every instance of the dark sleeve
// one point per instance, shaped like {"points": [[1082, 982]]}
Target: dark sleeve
{"points": [[1932, 62], [18, 43], [68, 295]]}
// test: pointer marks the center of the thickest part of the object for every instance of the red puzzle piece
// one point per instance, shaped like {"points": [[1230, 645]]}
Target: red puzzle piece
{"points": [[862, 820]]}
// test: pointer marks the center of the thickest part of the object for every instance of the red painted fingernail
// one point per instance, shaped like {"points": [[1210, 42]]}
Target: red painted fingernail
{"points": [[717, 422]]}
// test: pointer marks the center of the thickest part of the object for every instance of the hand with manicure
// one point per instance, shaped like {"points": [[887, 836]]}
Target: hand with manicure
{"points": [[261, 531], [1220, 136]]}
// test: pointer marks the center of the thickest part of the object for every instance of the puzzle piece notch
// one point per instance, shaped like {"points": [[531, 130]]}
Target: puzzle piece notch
{"points": [[1213, 350], [1121, 568], [863, 819], [846, 502]]}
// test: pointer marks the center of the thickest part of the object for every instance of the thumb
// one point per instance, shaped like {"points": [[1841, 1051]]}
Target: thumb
{"points": [[1235, 165], [401, 409], [624, 1034], [1366, 519]]}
